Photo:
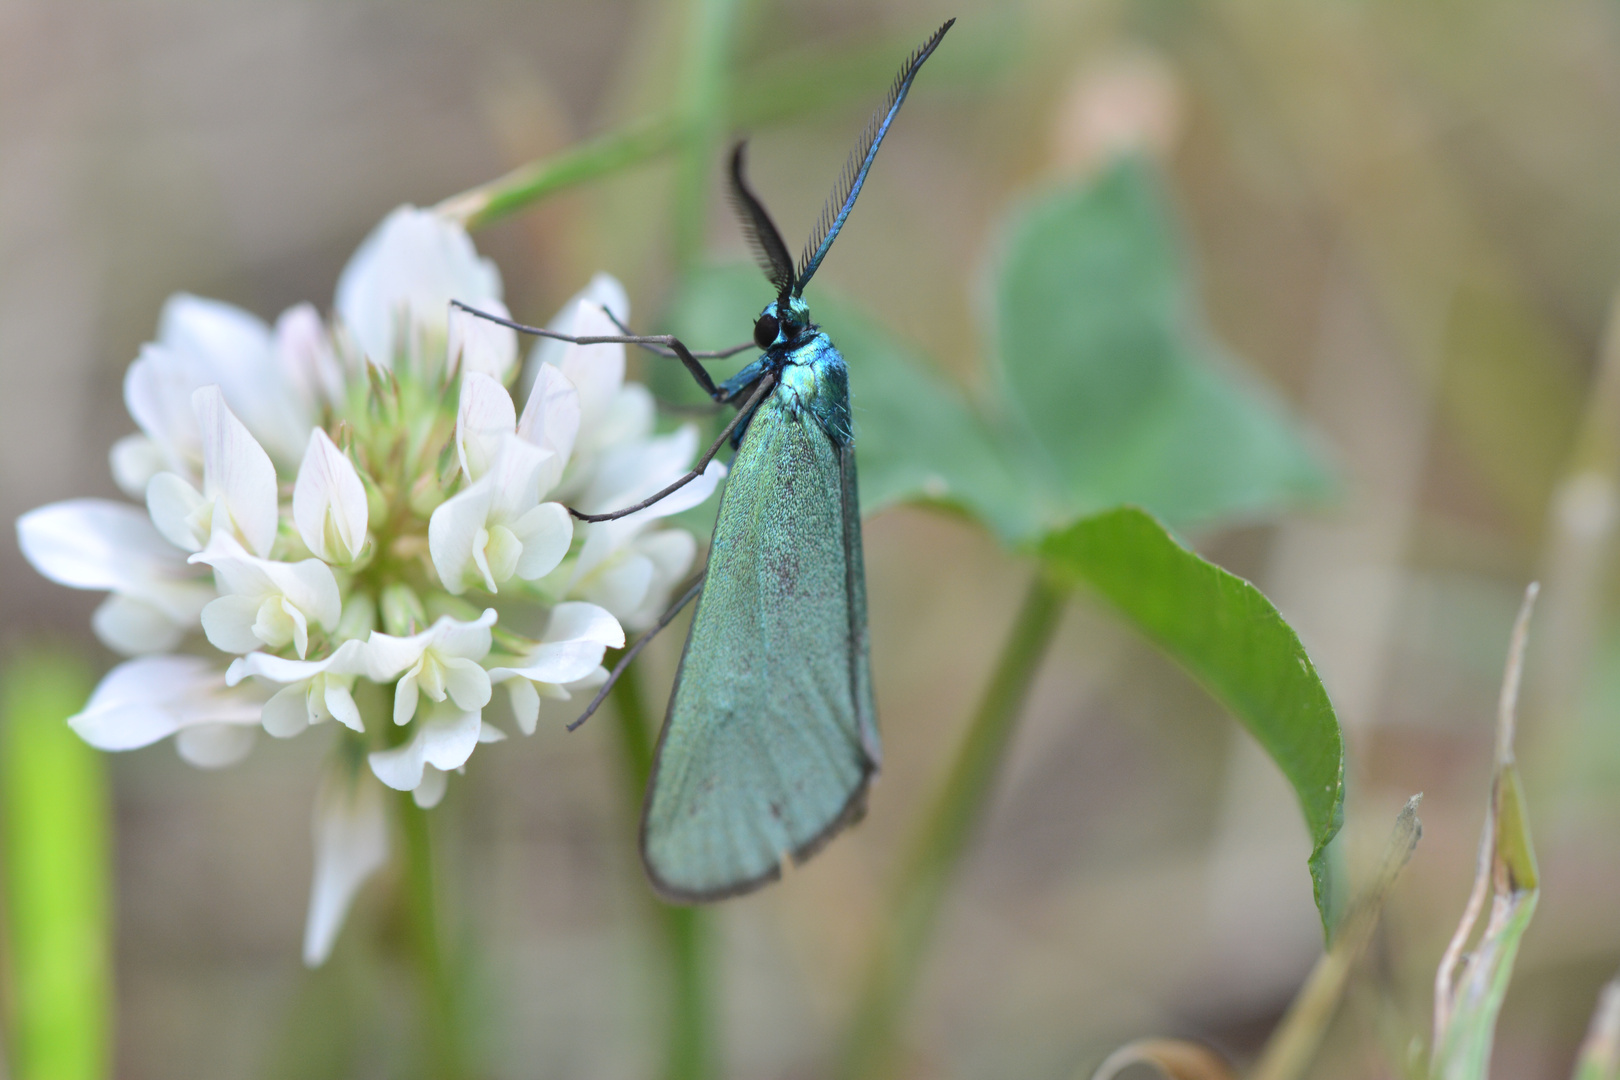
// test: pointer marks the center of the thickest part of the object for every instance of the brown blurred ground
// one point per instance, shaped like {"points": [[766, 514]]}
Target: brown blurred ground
{"points": [[1407, 217]]}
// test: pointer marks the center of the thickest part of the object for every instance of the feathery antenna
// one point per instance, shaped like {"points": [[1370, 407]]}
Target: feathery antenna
{"points": [[766, 243], [848, 188]]}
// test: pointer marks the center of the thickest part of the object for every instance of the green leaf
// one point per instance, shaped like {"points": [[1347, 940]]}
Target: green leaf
{"points": [[56, 875], [1120, 392], [1230, 638], [1470, 987]]}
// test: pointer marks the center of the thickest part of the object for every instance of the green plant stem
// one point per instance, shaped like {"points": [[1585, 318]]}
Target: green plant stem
{"points": [[53, 790], [806, 81], [897, 952], [440, 1015], [704, 93], [629, 145], [684, 931]]}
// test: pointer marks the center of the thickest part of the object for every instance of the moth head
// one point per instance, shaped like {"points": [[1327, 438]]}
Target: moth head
{"points": [[783, 321]]}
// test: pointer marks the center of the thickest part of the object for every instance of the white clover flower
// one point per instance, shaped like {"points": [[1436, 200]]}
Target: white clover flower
{"points": [[568, 657], [629, 566], [100, 544], [313, 491]]}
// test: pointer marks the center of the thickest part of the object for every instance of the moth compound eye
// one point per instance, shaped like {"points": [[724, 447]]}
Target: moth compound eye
{"points": [[765, 331]]}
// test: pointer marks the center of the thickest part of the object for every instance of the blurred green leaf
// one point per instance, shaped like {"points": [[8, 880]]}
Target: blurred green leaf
{"points": [[916, 437], [1122, 394], [1600, 1051], [1470, 988], [1232, 640], [56, 874]]}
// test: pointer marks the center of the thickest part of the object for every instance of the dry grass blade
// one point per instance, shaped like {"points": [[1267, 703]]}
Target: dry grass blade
{"points": [[1600, 1053], [1297, 1037], [1177, 1059], [1469, 987]]}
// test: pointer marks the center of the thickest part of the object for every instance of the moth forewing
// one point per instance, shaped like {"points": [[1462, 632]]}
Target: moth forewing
{"points": [[771, 738]]}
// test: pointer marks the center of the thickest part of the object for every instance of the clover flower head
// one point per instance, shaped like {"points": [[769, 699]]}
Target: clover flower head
{"points": [[365, 520]]}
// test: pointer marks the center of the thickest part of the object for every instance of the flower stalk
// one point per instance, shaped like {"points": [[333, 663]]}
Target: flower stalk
{"points": [[870, 1047], [691, 1051], [446, 1051]]}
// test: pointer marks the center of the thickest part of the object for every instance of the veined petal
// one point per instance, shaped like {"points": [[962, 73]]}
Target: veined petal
{"points": [[206, 342], [339, 701], [618, 583], [228, 623], [351, 844], [574, 621], [178, 511], [348, 658], [671, 552], [143, 700], [286, 714], [470, 640], [629, 473], [466, 683], [572, 648], [430, 792], [212, 745], [525, 700], [595, 371], [411, 266], [237, 471], [455, 531], [518, 471], [329, 502], [445, 739], [135, 459], [603, 290], [308, 585], [157, 392], [102, 544], [546, 533], [304, 352], [133, 627], [485, 415], [550, 417], [480, 345], [630, 417]]}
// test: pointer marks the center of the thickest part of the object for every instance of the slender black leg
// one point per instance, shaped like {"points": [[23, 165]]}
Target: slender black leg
{"points": [[714, 354], [761, 388], [635, 650], [668, 341]]}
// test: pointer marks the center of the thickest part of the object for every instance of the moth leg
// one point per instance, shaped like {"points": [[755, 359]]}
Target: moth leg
{"points": [[635, 650], [761, 388], [712, 354], [668, 341]]}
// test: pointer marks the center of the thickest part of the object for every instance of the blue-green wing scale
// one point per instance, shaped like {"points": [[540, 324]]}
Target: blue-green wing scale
{"points": [[771, 737]]}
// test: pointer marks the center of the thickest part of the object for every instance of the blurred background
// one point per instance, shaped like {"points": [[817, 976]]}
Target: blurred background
{"points": [[1405, 218]]}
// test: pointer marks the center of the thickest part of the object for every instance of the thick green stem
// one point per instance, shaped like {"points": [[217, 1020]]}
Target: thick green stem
{"points": [[897, 951], [685, 931], [440, 1015]]}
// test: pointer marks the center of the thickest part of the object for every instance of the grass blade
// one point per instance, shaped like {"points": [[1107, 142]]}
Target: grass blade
{"points": [[1294, 1043], [1469, 987], [57, 877], [1600, 1052]]}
